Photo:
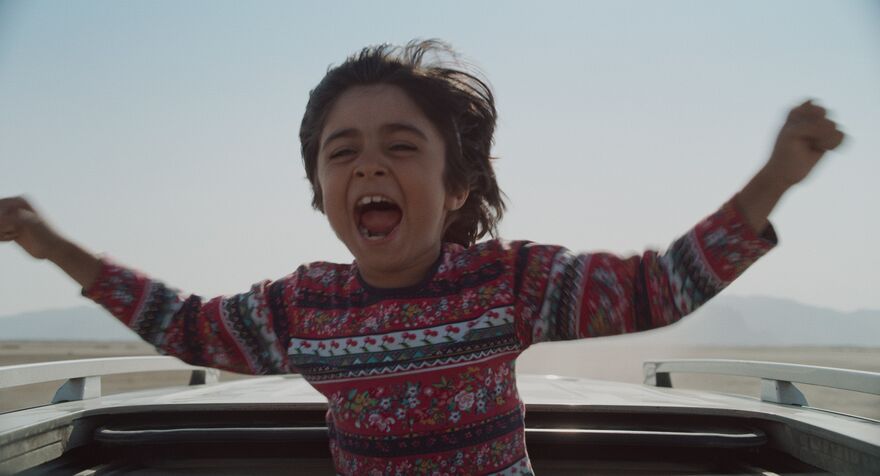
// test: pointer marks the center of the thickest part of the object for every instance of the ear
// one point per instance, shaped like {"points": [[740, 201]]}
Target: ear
{"points": [[454, 201]]}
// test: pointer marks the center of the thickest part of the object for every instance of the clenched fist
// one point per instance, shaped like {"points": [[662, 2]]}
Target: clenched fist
{"points": [[19, 222], [805, 137]]}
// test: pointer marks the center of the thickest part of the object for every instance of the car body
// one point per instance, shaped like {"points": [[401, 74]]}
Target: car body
{"points": [[275, 424]]}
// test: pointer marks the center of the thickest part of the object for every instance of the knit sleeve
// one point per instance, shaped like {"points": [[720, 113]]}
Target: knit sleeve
{"points": [[564, 295], [245, 333]]}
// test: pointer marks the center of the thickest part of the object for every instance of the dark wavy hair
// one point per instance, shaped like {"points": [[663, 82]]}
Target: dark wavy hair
{"points": [[452, 96]]}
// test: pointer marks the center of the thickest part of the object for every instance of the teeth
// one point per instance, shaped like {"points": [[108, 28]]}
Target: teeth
{"points": [[372, 199], [366, 234]]}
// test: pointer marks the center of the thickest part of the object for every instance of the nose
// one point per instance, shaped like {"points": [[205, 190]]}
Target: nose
{"points": [[370, 165]]}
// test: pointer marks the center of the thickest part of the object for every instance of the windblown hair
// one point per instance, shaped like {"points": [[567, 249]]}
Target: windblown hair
{"points": [[452, 96]]}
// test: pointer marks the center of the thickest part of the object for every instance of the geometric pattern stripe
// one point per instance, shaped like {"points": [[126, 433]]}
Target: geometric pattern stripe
{"points": [[409, 339]]}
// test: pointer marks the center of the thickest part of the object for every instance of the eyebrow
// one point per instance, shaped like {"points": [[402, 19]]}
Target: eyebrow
{"points": [[337, 134], [402, 126], [386, 129]]}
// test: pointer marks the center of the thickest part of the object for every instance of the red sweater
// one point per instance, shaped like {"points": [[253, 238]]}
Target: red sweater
{"points": [[420, 380]]}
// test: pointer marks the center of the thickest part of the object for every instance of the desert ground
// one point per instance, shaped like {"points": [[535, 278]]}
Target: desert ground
{"points": [[612, 358]]}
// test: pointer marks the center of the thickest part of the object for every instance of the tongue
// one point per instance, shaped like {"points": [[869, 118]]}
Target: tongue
{"points": [[380, 221]]}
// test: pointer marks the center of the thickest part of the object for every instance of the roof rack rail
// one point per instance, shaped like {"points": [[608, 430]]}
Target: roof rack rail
{"points": [[83, 377], [777, 380]]}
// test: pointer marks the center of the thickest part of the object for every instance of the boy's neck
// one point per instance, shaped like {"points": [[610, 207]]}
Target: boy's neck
{"points": [[411, 275]]}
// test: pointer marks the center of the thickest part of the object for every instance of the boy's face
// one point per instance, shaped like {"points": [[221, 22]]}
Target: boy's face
{"points": [[380, 168]]}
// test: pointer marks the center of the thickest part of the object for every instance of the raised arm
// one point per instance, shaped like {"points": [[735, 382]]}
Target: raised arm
{"points": [[245, 333], [568, 296]]}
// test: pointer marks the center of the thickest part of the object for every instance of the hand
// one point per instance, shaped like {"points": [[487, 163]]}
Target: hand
{"points": [[805, 137], [19, 222]]}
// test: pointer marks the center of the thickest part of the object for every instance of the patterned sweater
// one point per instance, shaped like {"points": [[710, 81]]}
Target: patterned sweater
{"points": [[420, 380]]}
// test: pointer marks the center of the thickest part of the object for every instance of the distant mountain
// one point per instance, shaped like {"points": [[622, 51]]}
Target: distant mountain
{"points": [[725, 321], [83, 323], [767, 321]]}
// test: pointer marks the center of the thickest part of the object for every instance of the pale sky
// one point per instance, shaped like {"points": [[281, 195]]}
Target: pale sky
{"points": [[164, 133]]}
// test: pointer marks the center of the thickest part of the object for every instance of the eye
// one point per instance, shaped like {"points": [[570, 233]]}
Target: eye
{"points": [[341, 153], [403, 147]]}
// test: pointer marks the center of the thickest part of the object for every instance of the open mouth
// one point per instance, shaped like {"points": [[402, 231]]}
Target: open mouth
{"points": [[376, 216]]}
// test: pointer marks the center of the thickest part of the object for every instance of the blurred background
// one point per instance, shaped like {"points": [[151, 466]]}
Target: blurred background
{"points": [[165, 134]]}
